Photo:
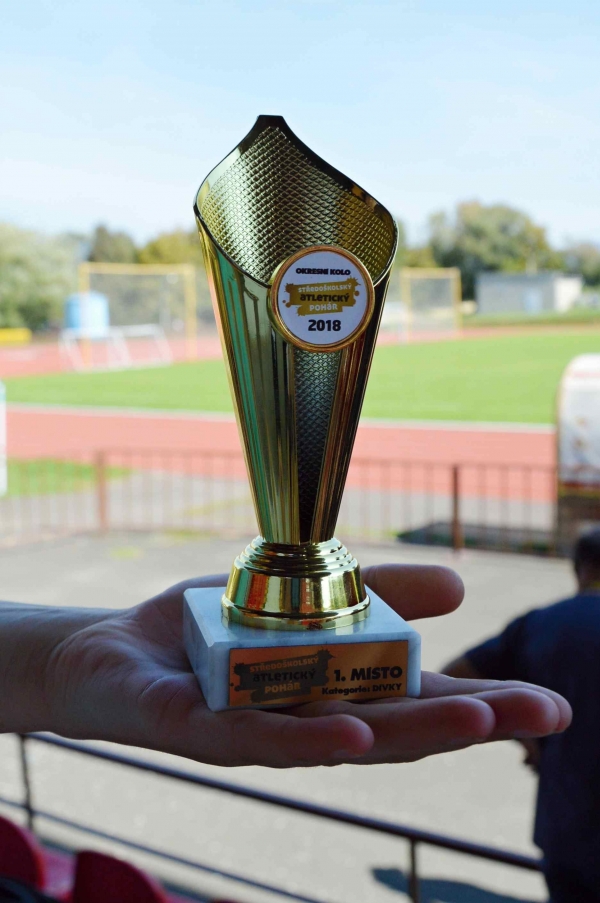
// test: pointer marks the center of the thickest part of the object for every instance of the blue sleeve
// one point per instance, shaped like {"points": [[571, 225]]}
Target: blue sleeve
{"points": [[500, 658]]}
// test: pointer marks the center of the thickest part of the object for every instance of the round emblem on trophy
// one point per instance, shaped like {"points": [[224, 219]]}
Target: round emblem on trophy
{"points": [[321, 298]]}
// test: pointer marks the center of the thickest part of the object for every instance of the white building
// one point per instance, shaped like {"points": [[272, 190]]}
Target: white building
{"points": [[527, 293]]}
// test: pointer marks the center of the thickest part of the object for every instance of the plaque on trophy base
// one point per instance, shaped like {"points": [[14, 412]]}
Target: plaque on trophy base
{"points": [[298, 259], [376, 657]]}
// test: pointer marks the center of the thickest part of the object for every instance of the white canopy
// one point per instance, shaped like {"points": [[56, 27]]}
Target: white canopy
{"points": [[578, 422]]}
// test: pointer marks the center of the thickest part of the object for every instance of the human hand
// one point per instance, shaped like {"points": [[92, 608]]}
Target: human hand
{"points": [[124, 676], [451, 713]]}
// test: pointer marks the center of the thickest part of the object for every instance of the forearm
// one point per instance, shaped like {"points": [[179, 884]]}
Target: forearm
{"points": [[29, 638]]}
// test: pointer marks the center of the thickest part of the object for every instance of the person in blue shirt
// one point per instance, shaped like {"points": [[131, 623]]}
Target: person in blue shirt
{"points": [[558, 647]]}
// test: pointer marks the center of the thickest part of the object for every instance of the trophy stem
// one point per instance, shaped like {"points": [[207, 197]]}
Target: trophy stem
{"points": [[309, 586]]}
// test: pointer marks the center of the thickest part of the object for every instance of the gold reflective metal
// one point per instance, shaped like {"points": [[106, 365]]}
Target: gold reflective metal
{"points": [[291, 587], [297, 410]]}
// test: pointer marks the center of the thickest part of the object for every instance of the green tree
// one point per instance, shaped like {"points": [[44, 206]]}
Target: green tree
{"points": [[36, 273], [495, 237], [584, 259], [111, 247], [420, 256], [417, 256], [173, 247]]}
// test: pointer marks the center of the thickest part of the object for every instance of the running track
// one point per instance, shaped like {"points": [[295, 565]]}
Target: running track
{"points": [[80, 433], [41, 431]]}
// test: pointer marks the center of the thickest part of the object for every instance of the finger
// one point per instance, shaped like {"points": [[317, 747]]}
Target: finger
{"points": [[414, 728], [210, 580], [416, 591], [282, 741], [521, 712], [169, 601], [168, 604], [195, 583], [406, 729], [442, 685]]}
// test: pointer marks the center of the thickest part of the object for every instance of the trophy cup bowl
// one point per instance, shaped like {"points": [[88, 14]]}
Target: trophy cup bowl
{"points": [[298, 259]]}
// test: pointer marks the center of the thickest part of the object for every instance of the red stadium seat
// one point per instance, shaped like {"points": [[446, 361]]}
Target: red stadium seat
{"points": [[60, 872], [98, 878], [21, 856], [103, 879]]}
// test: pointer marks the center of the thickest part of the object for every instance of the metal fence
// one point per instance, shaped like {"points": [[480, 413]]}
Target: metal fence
{"points": [[496, 506], [414, 836]]}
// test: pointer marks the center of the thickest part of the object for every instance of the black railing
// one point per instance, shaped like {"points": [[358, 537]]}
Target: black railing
{"points": [[413, 836]]}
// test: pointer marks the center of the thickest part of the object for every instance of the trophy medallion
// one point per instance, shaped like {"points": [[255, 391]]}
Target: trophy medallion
{"points": [[298, 259]]}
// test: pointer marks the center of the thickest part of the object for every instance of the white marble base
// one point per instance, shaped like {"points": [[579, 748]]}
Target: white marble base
{"points": [[209, 640]]}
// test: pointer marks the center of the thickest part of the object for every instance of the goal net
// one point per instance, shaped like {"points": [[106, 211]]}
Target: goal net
{"points": [[422, 304], [152, 315]]}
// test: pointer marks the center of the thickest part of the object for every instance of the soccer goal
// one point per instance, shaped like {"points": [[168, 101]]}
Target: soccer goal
{"points": [[423, 304], [152, 316]]}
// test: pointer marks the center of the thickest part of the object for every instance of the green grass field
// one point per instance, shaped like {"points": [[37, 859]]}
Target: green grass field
{"points": [[49, 476], [509, 378]]}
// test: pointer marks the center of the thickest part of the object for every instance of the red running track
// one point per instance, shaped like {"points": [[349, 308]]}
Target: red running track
{"points": [[387, 455], [79, 433], [61, 431]]}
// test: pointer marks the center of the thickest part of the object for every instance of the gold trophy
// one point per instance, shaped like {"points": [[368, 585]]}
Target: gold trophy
{"points": [[298, 259]]}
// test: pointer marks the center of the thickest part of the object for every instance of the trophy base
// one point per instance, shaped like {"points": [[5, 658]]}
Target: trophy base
{"points": [[239, 666], [313, 586]]}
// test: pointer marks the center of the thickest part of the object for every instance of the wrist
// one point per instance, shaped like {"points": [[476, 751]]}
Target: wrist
{"points": [[30, 635]]}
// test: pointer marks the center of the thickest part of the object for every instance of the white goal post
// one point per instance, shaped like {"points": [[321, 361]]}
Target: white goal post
{"points": [[424, 303], [97, 276]]}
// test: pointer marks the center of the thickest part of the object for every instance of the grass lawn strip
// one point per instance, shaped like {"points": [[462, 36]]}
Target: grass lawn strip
{"points": [[503, 379], [48, 476]]}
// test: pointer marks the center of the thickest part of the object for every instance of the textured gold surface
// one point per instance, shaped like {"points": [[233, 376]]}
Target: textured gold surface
{"points": [[297, 410], [315, 381], [273, 200]]}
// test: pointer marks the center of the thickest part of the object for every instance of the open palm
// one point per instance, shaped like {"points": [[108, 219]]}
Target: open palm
{"points": [[124, 676]]}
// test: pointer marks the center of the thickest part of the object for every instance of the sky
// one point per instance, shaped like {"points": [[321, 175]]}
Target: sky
{"points": [[114, 112]]}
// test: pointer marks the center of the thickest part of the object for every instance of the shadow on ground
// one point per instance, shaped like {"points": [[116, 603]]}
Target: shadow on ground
{"points": [[440, 890]]}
